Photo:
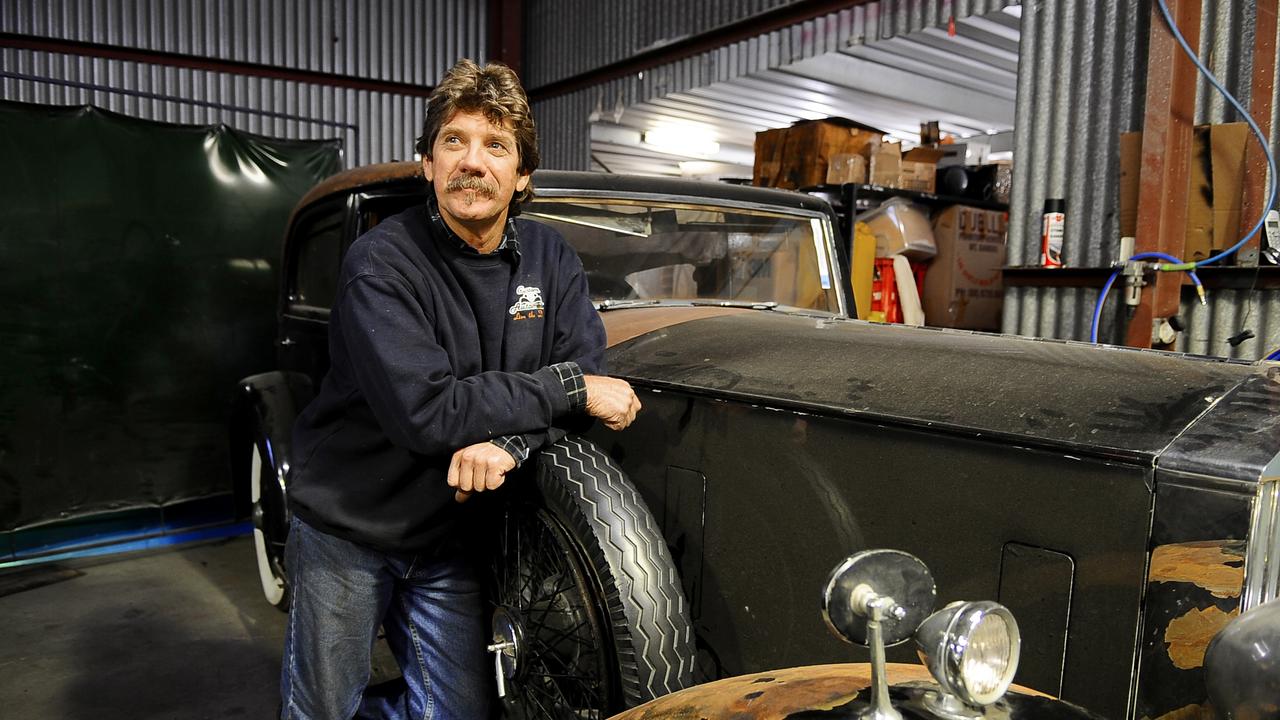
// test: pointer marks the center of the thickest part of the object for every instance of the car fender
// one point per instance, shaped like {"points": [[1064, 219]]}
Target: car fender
{"points": [[266, 404]]}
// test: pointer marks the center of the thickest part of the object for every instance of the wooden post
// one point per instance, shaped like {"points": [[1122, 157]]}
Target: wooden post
{"points": [[1166, 155], [506, 28]]}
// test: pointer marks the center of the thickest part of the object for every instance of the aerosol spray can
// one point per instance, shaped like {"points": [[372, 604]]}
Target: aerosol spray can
{"points": [[1052, 231]]}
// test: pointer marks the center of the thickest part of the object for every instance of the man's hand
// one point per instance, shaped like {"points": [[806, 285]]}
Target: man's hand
{"points": [[479, 467], [612, 400]]}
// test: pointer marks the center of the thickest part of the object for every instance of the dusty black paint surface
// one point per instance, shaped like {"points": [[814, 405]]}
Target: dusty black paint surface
{"points": [[1236, 439], [1115, 403]]}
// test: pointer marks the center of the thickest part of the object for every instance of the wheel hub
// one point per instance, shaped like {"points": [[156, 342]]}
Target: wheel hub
{"points": [[508, 644]]}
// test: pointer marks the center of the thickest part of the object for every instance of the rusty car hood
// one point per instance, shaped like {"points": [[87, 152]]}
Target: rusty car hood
{"points": [[1104, 401], [832, 691], [634, 322]]}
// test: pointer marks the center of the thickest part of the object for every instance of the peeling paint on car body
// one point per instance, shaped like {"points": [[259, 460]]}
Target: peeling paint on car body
{"points": [[1188, 636], [1214, 565]]}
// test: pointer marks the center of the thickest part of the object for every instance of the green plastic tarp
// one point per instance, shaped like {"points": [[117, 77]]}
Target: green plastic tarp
{"points": [[138, 271]]}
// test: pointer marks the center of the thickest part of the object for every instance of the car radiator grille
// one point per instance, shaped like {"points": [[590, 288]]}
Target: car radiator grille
{"points": [[1262, 557]]}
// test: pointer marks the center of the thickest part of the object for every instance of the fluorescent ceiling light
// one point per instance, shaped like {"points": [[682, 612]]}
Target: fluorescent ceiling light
{"points": [[688, 140], [698, 167]]}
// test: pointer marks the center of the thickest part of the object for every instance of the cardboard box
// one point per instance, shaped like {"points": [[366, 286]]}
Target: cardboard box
{"points": [[1001, 180], [846, 168], [916, 169], [1214, 187], [964, 288], [798, 156], [920, 169], [886, 164], [917, 176], [1227, 144]]}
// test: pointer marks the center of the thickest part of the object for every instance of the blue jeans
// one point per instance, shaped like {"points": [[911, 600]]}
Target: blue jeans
{"points": [[431, 610]]}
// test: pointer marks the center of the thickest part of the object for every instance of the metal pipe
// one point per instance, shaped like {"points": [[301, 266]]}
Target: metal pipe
{"points": [[179, 60], [355, 131]]}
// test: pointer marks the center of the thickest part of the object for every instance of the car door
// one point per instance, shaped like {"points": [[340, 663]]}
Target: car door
{"points": [[313, 259]]}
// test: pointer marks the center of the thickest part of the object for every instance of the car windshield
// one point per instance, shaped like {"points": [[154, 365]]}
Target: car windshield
{"points": [[683, 251]]}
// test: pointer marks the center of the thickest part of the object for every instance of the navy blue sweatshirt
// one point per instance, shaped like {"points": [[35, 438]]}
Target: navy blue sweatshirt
{"points": [[434, 347]]}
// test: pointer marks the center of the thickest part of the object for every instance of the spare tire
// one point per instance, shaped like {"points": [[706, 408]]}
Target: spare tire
{"points": [[588, 608]]}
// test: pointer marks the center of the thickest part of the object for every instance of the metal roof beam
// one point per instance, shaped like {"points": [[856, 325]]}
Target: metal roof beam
{"points": [[926, 92]]}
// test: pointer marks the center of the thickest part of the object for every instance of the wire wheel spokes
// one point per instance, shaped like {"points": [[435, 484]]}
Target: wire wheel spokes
{"points": [[539, 576]]}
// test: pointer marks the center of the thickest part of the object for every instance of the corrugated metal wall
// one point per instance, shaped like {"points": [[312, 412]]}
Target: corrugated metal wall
{"points": [[605, 32], [563, 121], [392, 40], [1081, 83]]}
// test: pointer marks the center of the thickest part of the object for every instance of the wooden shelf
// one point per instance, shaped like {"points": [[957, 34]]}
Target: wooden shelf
{"points": [[1214, 277], [842, 194]]}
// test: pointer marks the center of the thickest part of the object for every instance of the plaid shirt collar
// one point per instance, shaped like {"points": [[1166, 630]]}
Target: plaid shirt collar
{"points": [[508, 249]]}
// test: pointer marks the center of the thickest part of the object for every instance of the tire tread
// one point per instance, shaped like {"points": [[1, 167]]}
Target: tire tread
{"points": [[649, 616]]}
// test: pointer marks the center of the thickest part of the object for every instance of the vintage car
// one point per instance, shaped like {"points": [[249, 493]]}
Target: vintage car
{"points": [[1122, 503]]}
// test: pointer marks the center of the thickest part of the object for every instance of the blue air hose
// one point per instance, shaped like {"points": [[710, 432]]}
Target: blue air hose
{"points": [[1175, 264]]}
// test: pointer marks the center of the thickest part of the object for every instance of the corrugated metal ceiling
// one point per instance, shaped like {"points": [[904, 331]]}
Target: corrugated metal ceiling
{"points": [[967, 81]]}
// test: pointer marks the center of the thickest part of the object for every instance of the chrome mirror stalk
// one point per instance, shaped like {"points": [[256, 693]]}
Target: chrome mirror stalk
{"points": [[876, 608]]}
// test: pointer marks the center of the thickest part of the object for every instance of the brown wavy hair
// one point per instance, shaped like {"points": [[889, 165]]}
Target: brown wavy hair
{"points": [[495, 91]]}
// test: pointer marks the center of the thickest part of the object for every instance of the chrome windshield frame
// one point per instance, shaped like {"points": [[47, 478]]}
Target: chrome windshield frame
{"points": [[838, 279]]}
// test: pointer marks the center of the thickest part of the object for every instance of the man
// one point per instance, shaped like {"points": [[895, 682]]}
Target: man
{"points": [[458, 338]]}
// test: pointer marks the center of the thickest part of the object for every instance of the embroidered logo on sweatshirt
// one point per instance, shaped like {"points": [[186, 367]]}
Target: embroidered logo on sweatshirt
{"points": [[530, 305]]}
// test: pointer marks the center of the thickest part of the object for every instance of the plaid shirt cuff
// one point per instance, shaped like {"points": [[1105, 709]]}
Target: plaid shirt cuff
{"points": [[575, 386], [515, 446]]}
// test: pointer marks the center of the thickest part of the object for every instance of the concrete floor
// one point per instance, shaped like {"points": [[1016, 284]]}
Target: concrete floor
{"points": [[176, 634]]}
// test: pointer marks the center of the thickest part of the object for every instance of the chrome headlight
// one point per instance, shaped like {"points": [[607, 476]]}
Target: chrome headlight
{"points": [[971, 649]]}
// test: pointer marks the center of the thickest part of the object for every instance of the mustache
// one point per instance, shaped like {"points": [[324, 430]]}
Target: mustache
{"points": [[470, 182]]}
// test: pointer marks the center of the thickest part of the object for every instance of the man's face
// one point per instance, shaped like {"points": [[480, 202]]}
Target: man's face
{"points": [[474, 168]]}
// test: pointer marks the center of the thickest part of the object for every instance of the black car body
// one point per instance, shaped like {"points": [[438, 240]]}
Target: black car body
{"points": [[1122, 503]]}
